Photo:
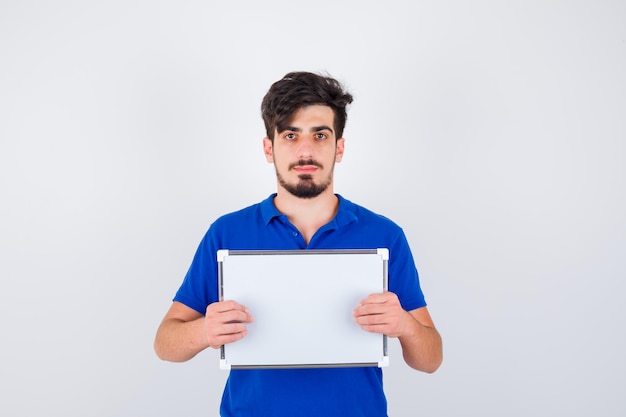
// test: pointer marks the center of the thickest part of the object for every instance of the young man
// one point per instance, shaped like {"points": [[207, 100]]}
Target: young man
{"points": [[304, 116]]}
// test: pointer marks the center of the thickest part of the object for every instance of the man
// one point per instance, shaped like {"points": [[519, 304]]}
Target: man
{"points": [[304, 117]]}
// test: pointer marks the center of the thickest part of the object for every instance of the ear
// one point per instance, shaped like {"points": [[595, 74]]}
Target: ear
{"points": [[339, 150], [268, 150]]}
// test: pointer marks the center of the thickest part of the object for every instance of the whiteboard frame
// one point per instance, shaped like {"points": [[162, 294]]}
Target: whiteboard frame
{"points": [[371, 344]]}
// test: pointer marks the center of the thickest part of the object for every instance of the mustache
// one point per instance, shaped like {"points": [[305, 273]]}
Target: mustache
{"points": [[303, 162]]}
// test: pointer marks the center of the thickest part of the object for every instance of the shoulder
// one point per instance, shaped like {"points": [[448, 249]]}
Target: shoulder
{"points": [[366, 216], [238, 227], [260, 212], [238, 215]]}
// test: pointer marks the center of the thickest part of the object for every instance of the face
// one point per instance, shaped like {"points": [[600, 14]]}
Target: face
{"points": [[304, 154]]}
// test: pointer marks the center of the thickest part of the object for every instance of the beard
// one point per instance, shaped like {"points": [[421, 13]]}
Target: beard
{"points": [[305, 187]]}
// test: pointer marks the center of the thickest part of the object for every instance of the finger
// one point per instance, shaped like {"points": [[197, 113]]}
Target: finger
{"points": [[368, 308], [365, 317], [223, 312], [232, 316], [232, 328], [228, 305], [218, 333], [220, 340], [367, 325], [379, 298]]}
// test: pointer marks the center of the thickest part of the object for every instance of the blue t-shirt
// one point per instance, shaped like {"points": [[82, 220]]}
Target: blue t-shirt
{"points": [[345, 392]]}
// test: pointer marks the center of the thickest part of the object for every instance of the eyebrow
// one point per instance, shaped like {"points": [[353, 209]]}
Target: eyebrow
{"points": [[313, 129]]}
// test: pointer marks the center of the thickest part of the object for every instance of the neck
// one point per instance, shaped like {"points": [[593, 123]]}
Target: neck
{"points": [[307, 214]]}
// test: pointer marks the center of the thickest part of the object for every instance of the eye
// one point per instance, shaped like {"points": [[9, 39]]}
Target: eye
{"points": [[290, 136], [321, 135]]}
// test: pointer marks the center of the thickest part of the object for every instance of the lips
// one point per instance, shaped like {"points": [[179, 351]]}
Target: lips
{"points": [[305, 166], [305, 169]]}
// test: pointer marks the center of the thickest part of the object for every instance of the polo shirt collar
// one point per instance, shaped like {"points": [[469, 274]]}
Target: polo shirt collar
{"points": [[346, 213], [269, 210]]}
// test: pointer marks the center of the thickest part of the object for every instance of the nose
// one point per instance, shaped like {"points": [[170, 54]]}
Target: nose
{"points": [[305, 150]]}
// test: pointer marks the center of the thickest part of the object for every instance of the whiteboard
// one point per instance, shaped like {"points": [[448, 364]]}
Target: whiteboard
{"points": [[302, 302]]}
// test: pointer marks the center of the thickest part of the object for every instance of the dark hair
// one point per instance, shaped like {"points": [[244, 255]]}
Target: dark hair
{"points": [[299, 89]]}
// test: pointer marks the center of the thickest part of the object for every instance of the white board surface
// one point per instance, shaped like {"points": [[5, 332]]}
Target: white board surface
{"points": [[302, 302]]}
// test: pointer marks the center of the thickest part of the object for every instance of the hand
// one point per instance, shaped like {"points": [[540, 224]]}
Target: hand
{"points": [[382, 313], [225, 322]]}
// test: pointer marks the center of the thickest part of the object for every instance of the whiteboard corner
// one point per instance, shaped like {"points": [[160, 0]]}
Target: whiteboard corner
{"points": [[224, 365], [384, 253], [221, 254], [384, 362]]}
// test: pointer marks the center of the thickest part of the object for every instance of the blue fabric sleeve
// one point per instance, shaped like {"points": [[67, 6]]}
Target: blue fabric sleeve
{"points": [[403, 275], [200, 286]]}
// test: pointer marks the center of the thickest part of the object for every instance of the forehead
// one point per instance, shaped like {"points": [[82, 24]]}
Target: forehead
{"points": [[313, 114]]}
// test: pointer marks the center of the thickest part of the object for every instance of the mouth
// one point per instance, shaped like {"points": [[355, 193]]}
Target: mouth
{"points": [[305, 166], [305, 169]]}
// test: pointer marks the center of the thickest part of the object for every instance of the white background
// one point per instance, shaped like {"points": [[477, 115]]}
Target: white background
{"points": [[492, 132]]}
